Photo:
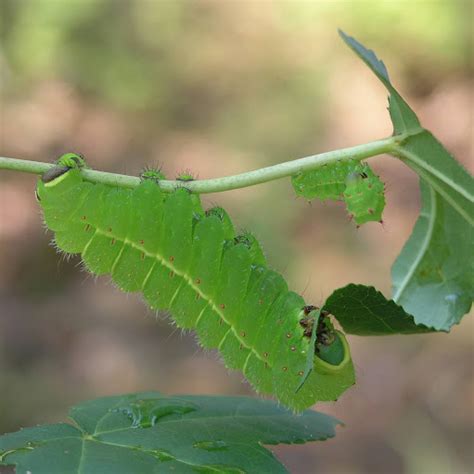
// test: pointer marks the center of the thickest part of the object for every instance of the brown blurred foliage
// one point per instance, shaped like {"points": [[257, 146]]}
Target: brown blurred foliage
{"points": [[220, 88]]}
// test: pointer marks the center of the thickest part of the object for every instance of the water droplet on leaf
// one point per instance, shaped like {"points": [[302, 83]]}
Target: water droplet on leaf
{"points": [[162, 455], [451, 298], [147, 412]]}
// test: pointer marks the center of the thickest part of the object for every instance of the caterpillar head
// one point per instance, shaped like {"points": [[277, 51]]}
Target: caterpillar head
{"points": [[329, 346], [63, 164]]}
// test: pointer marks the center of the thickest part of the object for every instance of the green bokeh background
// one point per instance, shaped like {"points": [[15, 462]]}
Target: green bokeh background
{"points": [[221, 87]]}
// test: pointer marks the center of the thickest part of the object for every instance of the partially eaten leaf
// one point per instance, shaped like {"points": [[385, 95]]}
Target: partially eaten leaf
{"points": [[433, 275]]}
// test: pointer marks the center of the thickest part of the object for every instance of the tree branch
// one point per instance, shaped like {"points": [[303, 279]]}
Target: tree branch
{"points": [[226, 183]]}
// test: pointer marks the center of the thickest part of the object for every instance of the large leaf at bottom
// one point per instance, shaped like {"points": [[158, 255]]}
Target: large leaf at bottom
{"points": [[151, 433]]}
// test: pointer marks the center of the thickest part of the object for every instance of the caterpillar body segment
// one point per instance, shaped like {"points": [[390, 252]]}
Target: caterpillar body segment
{"points": [[364, 195], [191, 263]]}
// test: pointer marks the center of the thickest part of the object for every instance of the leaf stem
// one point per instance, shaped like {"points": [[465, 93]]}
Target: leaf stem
{"points": [[226, 183]]}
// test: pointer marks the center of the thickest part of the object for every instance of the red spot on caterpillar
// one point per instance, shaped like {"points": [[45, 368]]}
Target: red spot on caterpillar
{"points": [[293, 348], [288, 335], [112, 242], [171, 258], [222, 306], [285, 369], [198, 281]]}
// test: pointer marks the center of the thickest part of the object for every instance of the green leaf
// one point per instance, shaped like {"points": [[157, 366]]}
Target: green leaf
{"points": [[432, 162], [433, 276], [403, 118], [364, 311], [150, 433]]}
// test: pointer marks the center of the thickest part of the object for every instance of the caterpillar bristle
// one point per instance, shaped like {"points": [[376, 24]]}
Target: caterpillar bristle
{"points": [[185, 176], [152, 173]]}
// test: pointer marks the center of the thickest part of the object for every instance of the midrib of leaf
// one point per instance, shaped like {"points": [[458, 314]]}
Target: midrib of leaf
{"points": [[452, 202], [425, 170], [441, 176], [183, 275], [81, 458], [423, 248], [380, 319]]}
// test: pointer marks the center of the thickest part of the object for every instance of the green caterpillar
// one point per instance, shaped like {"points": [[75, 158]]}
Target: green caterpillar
{"points": [[191, 263], [351, 181]]}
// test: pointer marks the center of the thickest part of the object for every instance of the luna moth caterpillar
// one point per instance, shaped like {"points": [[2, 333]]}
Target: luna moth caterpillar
{"points": [[351, 181], [191, 263]]}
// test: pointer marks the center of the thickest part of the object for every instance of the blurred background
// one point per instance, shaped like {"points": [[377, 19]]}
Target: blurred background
{"points": [[220, 88]]}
